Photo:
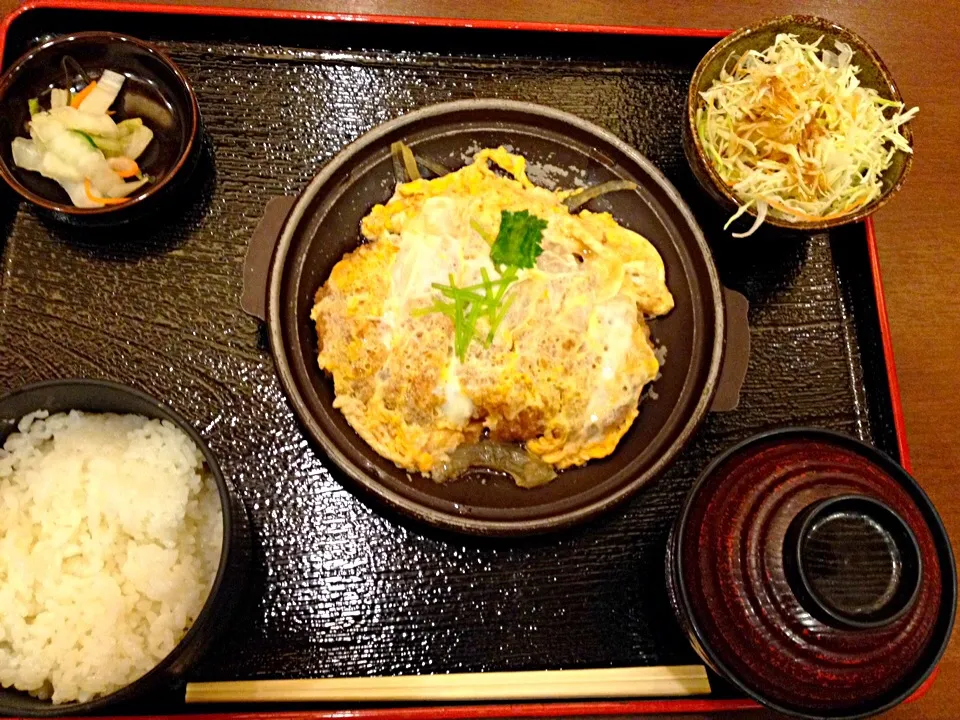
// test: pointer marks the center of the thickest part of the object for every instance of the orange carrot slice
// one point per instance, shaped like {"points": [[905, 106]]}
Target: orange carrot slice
{"points": [[124, 167], [82, 95], [96, 198]]}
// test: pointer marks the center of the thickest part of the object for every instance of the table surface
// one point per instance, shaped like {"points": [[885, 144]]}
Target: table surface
{"points": [[918, 250]]}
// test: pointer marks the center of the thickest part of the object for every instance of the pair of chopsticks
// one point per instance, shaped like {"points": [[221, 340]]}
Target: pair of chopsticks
{"points": [[536, 685]]}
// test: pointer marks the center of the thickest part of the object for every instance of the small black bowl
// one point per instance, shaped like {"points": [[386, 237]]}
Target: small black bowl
{"points": [[229, 584], [155, 90]]}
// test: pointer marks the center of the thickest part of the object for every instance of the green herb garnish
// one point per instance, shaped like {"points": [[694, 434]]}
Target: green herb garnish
{"points": [[518, 241], [34, 106], [517, 246]]}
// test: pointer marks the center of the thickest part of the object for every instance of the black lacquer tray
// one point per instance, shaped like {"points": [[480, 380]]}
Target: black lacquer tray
{"points": [[339, 588]]}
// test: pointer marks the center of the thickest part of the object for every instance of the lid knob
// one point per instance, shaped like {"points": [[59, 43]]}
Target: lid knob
{"points": [[852, 562]]}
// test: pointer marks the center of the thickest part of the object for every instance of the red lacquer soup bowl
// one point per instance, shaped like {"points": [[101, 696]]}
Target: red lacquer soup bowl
{"points": [[811, 570]]}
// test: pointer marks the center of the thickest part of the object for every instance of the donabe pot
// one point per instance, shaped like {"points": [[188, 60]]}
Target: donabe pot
{"points": [[300, 240]]}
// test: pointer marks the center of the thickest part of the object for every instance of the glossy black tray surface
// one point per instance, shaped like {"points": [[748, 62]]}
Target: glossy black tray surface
{"points": [[340, 588]]}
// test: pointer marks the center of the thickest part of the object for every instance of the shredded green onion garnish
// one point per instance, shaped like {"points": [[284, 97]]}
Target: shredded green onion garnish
{"points": [[482, 232], [516, 246], [791, 131], [467, 305]]}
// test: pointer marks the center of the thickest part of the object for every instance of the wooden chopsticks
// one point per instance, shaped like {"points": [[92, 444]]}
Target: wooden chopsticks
{"points": [[536, 685]]}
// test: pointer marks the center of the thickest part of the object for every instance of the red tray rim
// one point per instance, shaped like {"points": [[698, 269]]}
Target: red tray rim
{"points": [[528, 710]]}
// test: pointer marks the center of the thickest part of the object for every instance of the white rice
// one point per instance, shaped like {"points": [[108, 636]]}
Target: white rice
{"points": [[110, 537]]}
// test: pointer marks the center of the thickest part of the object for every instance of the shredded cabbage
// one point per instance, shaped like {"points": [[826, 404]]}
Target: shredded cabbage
{"points": [[791, 130]]}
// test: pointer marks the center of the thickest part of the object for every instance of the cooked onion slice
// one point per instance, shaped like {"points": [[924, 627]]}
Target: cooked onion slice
{"points": [[525, 468], [578, 199], [404, 164], [434, 167]]}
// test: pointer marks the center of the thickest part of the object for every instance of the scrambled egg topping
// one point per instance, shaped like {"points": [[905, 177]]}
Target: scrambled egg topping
{"points": [[568, 363]]}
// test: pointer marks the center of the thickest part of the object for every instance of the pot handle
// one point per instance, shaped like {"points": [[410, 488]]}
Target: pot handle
{"points": [[736, 355], [256, 265]]}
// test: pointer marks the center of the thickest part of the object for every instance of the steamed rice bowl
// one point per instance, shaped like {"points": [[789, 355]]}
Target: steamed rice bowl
{"points": [[110, 538]]}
